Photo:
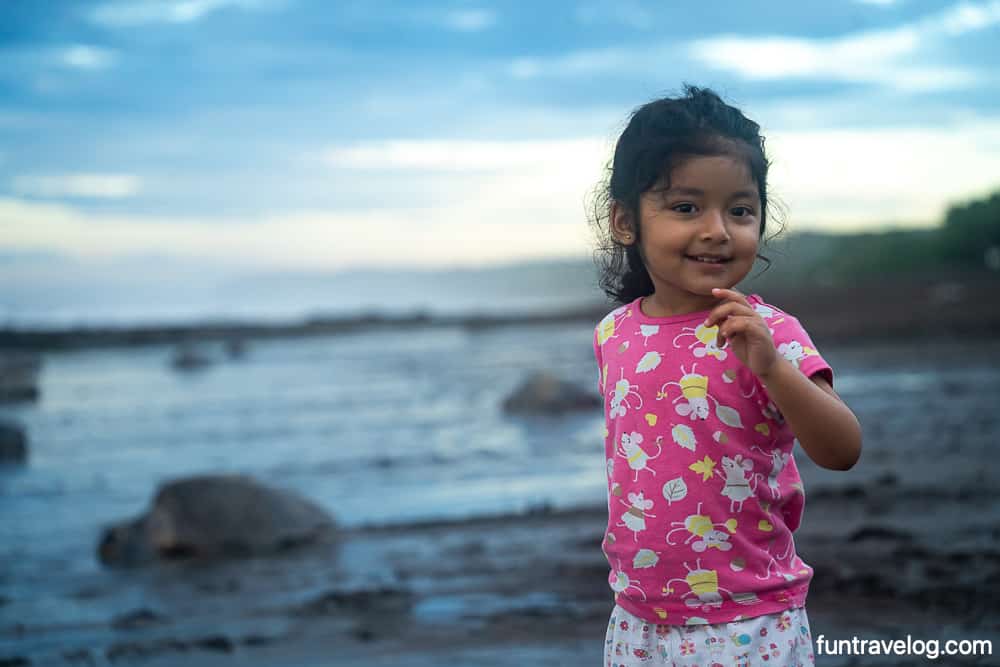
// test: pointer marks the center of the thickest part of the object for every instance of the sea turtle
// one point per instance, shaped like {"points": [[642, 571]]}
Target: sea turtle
{"points": [[212, 516]]}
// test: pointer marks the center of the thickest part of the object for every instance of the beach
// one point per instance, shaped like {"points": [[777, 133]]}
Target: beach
{"points": [[466, 535]]}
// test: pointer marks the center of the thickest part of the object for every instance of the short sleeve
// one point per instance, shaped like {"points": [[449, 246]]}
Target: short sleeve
{"points": [[794, 344], [600, 362]]}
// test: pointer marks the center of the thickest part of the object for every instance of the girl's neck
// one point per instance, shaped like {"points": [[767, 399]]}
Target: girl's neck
{"points": [[651, 306]]}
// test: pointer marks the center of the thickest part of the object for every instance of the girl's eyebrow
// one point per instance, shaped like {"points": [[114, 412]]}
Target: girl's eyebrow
{"points": [[696, 192]]}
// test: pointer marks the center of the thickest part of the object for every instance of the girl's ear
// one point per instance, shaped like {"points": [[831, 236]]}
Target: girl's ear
{"points": [[621, 224]]}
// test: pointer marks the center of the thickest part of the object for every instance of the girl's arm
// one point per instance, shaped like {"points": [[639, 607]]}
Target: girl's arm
{"points": [[825, 427]]}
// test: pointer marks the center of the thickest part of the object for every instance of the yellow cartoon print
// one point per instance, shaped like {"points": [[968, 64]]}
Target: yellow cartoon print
{"points": [[695, 396], [704, 532], [706, 337], [704, 585]]}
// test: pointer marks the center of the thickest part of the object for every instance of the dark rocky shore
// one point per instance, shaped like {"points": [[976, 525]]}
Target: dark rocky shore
{"points": [[532, 590], [906, 305]]}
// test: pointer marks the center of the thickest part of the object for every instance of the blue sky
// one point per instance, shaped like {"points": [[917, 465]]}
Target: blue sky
{"points": [[285, 134]]}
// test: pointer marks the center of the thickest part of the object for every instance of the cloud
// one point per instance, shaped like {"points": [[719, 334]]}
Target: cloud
{"points": [[879, 56], [131, 13], [888, 57], [585, 62], [855, 178], [457, 235], [461, 155], [627, 13], [82, 56], [520, 203], [482, 202], [470, 20], [94, 186]]}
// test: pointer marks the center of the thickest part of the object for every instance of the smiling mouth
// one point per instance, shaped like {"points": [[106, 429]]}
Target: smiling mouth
{"points": [[708, 259]]}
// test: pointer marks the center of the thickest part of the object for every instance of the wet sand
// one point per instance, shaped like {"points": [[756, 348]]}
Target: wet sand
{"points": [[532, 590]]}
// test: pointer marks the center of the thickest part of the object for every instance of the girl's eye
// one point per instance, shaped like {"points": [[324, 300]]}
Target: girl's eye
{"points": [[742, 211], [683, 208]]}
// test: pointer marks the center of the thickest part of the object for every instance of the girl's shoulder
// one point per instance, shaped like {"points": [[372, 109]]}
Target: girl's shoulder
{"points": [[791, 338], [765, 309]]}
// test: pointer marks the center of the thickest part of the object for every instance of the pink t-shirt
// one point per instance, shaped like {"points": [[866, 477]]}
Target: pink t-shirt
{"points": [[703, 492]]}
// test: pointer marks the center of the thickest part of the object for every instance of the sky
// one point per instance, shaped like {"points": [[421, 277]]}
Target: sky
{"points": [[296, 135]]}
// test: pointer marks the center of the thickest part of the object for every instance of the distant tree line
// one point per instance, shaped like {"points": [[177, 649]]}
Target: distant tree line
{"points": [[967, 239]]}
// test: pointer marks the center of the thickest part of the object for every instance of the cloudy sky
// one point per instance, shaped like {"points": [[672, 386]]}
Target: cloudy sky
{"points": [[288, 134]]}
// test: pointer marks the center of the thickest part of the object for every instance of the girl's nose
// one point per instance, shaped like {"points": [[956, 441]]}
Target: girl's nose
{"points": [[713, 226]]}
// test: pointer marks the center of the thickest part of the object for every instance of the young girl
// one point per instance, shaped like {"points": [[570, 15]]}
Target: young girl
{"points": [[706, 390]]}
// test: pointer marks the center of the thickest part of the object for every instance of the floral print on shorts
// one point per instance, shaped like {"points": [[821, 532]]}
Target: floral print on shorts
{"points": [[771, 640]]}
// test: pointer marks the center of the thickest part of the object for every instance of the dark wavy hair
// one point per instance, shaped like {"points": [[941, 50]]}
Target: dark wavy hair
{"points": [[659, 136]]}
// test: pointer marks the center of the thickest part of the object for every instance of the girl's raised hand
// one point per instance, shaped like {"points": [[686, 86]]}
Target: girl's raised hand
{"points": [[746, 331]]}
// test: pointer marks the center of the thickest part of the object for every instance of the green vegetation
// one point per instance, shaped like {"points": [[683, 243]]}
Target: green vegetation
{"points": [[968, 239]]}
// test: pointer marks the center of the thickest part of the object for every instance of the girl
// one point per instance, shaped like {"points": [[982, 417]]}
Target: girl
{"points": [[706, 390]]}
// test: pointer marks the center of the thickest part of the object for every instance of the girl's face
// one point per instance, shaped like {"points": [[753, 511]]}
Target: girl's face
{"points": [[700, 233]]}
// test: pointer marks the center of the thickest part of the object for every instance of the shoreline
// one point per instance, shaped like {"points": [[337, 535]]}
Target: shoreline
{"points": [[913, 307]]}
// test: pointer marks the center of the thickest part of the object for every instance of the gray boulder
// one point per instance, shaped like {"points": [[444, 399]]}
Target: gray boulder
{"points": [[13, 443], [543, 393], [215, 516], [19, 376]]}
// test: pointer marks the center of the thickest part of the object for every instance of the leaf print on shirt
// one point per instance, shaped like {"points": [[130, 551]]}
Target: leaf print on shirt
{"points": [[675, 490], [623, 396], [684, 436], [648, 330], [649, 361], [694, 391], [707, 338], [645, 558], [705, 468], [607, 327], [764, 311], [638, 459]]}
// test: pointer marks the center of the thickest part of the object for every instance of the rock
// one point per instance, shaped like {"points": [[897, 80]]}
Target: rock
{"points": [[879, 533], [13, 443], [137, 619], [15, 661], [380, 601], [188, 357], [236, 348], [215, 516], [19, 376], [544, 393]]}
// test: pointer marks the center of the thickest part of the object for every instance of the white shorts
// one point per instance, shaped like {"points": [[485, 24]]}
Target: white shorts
{"points": [[772, 640]]}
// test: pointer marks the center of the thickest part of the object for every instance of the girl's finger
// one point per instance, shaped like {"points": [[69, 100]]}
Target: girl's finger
{"points": [[728, 309], [736, 326], [731, 294]]}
